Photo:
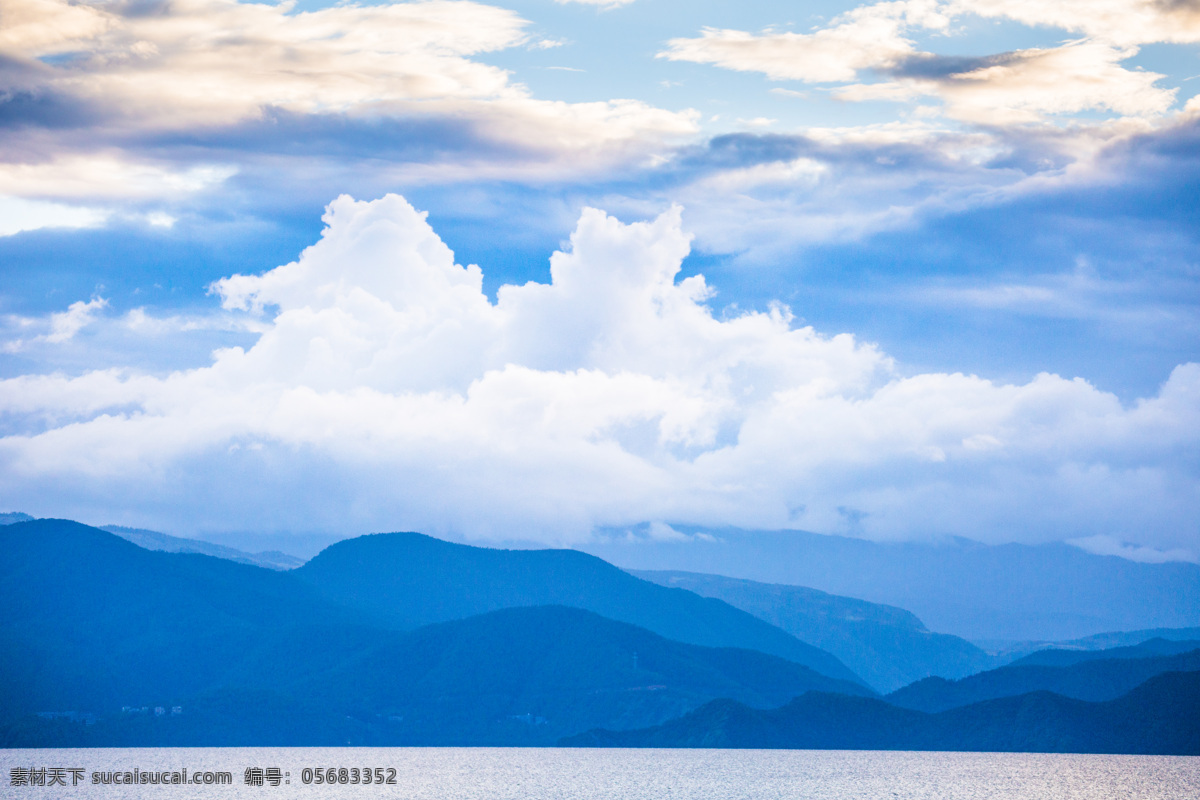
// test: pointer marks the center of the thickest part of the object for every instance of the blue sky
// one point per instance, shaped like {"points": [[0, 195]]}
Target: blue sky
{"points": [[902, 270]]}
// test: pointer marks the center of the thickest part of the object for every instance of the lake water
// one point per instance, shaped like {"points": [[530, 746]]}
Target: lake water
{"points": [[571, 774]]}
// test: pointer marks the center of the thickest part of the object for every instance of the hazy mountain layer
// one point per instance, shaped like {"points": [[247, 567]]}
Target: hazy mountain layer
{"points": [[888, 646], [153, 540], [1014, 592]]}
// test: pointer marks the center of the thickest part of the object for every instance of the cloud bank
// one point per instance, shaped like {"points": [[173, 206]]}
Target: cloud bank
{"points": [[388, 392], [136, 102]]}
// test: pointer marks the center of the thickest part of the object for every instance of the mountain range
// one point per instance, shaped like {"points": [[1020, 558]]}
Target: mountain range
{"points": [[404, 639], [91, 623]]}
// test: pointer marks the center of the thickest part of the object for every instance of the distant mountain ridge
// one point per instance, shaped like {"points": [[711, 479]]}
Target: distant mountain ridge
{"points": [[1092, 680], [1161, 716], [1057, 657], [153, 540], [1014, 592], [405, 580], [888, 646]]}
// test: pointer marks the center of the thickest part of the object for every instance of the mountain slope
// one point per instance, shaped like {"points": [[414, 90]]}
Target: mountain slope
{"points": [[404, 580], [530, 675], [524, 676], [89, 620], [1086, 680], [1048, 592], [887, 646], [1162, 716]]}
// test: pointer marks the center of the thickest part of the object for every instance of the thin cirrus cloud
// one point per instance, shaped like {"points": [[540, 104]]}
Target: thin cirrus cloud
{"points": [[601, 3], [388, 391]]}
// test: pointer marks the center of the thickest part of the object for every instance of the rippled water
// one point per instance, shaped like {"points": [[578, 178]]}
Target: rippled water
{"points": [[545, 774]]}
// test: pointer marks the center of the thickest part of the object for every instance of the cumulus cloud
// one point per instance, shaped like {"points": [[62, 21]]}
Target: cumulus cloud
{"points": [[387, 392]]}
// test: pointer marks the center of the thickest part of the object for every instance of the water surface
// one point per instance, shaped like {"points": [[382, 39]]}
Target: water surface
{"points": [[581, 774]]}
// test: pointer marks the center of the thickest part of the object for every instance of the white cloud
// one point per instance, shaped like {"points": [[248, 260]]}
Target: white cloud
{"points": [[800, 173], [1009, 88], [1122, 22], [106, 176], [38, 26], [64, 325], [1104, 545], [139, 322], [868, 37], [60, 326], [387, 392], [18, 214], [220, 62], [1025, 86]]}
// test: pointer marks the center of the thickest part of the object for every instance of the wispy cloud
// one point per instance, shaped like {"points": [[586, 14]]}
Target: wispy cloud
{"points": [[1104, 545], [60, 326]]}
